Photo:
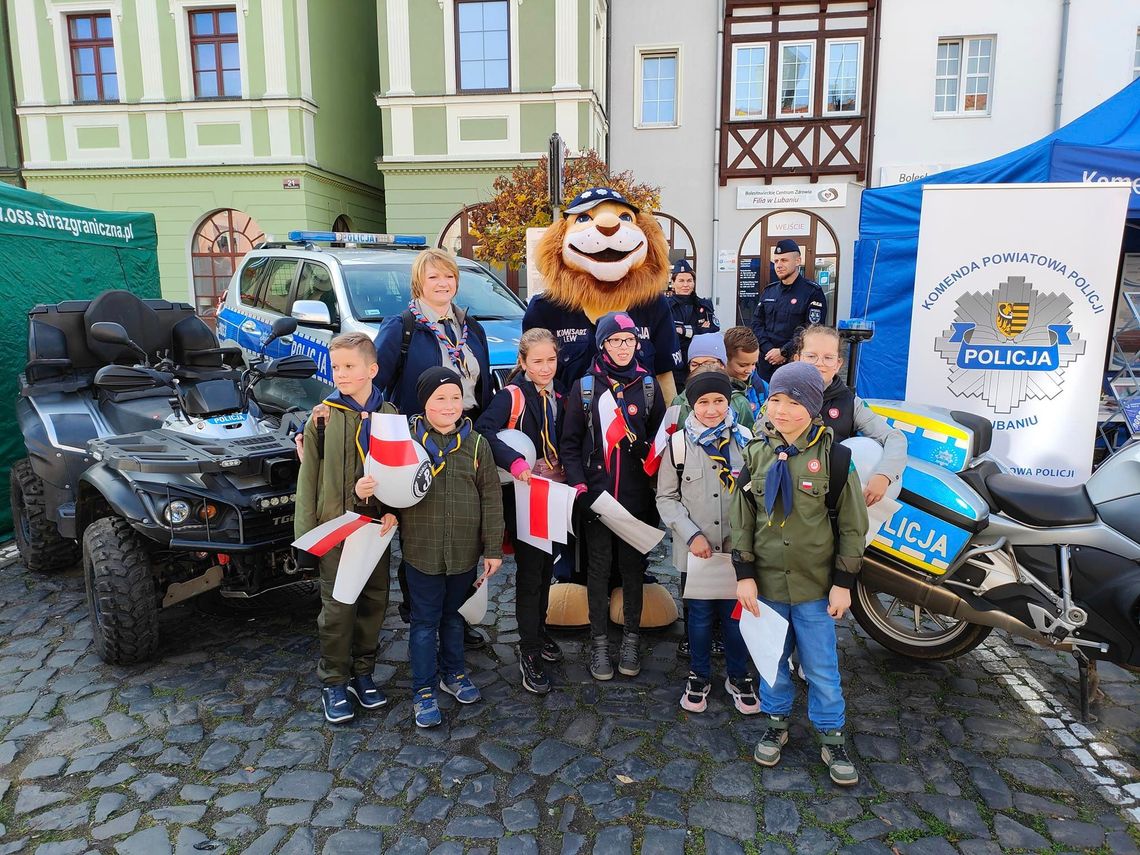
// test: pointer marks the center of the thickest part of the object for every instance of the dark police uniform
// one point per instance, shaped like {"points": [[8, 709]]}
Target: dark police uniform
{"points": [[783, 310], [657, 349], [692, 315]]}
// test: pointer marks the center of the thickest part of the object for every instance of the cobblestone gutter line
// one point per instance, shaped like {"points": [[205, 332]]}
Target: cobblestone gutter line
{"points": [[1092, 755]]}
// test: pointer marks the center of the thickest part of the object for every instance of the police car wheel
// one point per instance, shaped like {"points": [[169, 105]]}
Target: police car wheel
{"points": [[911, 630]]}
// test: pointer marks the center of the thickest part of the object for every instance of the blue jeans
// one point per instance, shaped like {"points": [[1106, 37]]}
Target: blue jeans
{"points": [[700, 638], [435, 618], [812, 631]]}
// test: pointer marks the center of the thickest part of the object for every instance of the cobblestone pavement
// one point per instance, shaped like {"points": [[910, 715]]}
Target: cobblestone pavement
{"points": [[219, 746]]}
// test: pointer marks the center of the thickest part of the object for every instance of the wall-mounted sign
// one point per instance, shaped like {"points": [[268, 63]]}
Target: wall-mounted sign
{"points": [[890, 175], [290, 183], [791, 196], [789, 224]]}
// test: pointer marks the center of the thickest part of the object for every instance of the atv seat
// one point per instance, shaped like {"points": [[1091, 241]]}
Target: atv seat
{"points": [[62, 358], [194, 345], [1038, 504]]}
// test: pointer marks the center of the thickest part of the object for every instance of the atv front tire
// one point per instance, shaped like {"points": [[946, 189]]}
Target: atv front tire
{"points": [[42, 548], [122, 601]]}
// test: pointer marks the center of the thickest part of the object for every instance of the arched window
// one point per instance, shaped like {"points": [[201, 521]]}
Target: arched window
{"points": [[680, 239], [221, 240], [343, 223]]}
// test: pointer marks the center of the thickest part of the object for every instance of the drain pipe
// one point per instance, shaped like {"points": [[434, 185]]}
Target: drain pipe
{"points": [[1061, 63], [716, 158]]}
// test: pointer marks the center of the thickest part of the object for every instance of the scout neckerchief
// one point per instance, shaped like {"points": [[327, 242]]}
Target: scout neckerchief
{"points": [[453, 347], [364, 429], [617, 378], [548, 434], [754, 395], [715, 442], [778, 481], [438, 456]]}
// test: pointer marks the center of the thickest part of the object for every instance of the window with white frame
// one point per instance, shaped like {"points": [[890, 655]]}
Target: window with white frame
{"points": [[797, 60], [749, 81], [657, 105], [483, 36], [841, 94], [963, 78]]}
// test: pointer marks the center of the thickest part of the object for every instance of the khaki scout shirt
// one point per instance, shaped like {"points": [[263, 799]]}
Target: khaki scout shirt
{"points": [[793, 558]]}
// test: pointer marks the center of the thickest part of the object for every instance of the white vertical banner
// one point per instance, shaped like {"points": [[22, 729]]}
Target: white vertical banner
{"points": [[1012, 314]]}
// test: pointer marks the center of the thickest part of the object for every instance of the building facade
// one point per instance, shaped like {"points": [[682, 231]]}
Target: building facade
{"points": [[470, 88], [966, 81], [755, 119], [233, 121]]}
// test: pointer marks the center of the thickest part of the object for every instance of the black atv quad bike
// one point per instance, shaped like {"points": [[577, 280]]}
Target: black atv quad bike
{"points": [[150, 459]]}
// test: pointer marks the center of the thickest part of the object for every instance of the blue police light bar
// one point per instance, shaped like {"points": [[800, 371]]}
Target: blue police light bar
{"points": [[372, 238], [855, 324]]}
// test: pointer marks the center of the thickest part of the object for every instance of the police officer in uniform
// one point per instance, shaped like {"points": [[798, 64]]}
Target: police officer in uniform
{"points": [[692, 315], [789, 303]]}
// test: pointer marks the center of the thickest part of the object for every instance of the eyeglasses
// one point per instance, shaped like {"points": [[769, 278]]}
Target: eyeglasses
{"points": [[694, 364], [817, 359], [623, 341]]}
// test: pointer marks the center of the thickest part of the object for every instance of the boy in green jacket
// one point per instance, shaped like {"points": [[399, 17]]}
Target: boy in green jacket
{"points": [[331, 482], [442, 537], [787, 553]]}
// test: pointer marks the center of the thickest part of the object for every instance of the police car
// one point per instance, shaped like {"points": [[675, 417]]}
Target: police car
{"points": [[350, 288]]}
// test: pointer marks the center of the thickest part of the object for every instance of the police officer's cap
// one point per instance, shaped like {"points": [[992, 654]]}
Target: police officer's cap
{"points": [[682, 266], [593, 197], [787, 245]]}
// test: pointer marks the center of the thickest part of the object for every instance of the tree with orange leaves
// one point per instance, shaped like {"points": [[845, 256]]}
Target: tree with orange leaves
{"points": [[521, 202]]}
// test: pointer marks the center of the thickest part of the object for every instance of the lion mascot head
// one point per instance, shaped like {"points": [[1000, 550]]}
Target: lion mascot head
{"points": [[604, 255]]}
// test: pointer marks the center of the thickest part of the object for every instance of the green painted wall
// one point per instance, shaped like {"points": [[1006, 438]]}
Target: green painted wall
{"points": [[536, 46], [97, 137], [429, 130], [483, 129], [180, 202], [348, 120], [255, 50], [9, 157], [537, 121], [131, 74], [426, 41], [423, 202], [585, 34]]}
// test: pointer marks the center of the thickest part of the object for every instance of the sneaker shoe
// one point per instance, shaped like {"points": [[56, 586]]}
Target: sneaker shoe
{"points": [[629, 655], [743, 691], [337, 706], [473, 639], [461, 687], [600, 666], [683, 647], [695, 698], [363, 688], [551, 652], [426, 709], [834, 754], [772, 742], [534, 679]]}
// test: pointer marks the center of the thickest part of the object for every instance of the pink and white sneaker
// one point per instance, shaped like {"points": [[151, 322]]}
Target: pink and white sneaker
{"points": [[743, 691], [695, 699]]}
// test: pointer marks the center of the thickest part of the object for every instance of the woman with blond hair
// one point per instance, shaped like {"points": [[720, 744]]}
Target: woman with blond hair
{"points": [[438, 333]]}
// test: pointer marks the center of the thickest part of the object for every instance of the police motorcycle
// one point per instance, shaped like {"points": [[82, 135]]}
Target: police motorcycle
{"points": [[151, 460], [971, 548]]}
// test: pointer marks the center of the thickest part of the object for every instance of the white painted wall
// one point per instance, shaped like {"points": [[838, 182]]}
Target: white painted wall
{"points": [[909, 138], [679, 160], [1100, 54]]}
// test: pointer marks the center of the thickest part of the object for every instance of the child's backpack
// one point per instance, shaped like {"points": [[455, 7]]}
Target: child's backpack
{"points": [[840, 467], [648, 387]]}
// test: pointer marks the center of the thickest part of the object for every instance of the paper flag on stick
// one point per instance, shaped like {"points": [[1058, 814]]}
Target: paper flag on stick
{"points": [[526, 512], [612, 423], [324, 537], [475, 609], [669, 426], [764, 637], [625, 525], [362, 550], [711, 578]]}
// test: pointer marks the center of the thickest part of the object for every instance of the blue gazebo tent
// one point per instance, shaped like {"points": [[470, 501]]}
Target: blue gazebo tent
{"points": [[1102, 144]]}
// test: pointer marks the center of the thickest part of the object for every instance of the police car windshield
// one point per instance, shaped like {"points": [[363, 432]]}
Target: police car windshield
{"points": [[377, 290]]}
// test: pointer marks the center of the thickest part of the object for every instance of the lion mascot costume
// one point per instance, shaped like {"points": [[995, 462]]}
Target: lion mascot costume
{"points": [[606, 255]]}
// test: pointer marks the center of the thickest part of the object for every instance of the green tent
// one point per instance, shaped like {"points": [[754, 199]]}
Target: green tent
{"points": [[52, 251]]}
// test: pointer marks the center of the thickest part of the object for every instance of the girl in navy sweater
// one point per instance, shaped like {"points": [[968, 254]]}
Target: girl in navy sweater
{"points": [[529, 403]]}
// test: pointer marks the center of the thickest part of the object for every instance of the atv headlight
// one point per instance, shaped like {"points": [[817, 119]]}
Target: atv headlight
{"points": [[177, 512]]}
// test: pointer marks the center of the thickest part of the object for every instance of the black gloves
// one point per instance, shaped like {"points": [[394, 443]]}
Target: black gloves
{"points": [[306, 560]]}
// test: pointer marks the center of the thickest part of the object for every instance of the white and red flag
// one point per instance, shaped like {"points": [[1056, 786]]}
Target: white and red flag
{"points": [[542, 511], [613, 425], [329, 535], [390, 444], [669, 426]]}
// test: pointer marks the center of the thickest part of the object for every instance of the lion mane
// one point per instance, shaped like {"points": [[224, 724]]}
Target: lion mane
{"points": [[577, 289]]}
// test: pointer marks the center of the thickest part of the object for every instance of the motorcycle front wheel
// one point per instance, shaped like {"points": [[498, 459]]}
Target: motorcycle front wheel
{"points": [[912, 630]]}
